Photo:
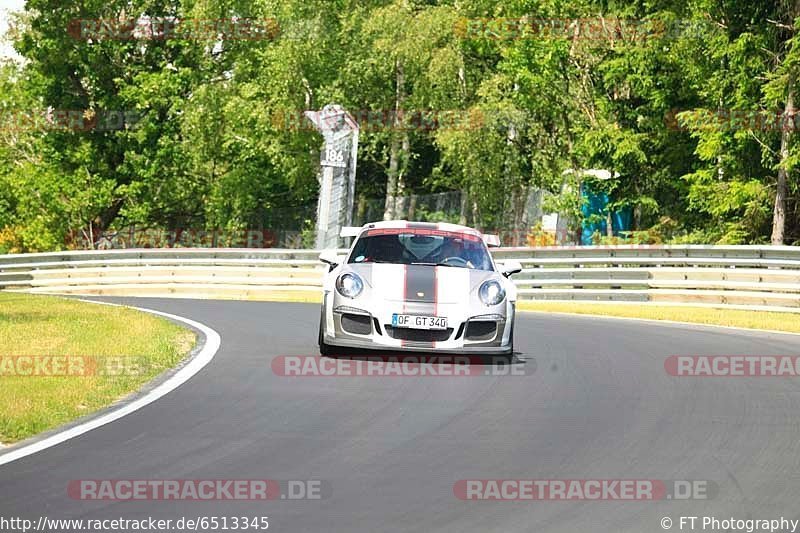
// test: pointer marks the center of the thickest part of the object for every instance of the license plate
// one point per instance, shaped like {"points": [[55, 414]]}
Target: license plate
{"points": [[419, 321]]}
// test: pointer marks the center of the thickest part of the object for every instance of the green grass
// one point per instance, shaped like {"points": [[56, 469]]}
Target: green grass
{"points": [[32, 325], [766, 320]]}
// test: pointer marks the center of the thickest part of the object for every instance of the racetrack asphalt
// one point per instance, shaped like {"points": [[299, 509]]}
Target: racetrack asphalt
{"points": [[597, 403]]}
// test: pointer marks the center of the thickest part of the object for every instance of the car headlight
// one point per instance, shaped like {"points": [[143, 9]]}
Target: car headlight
{"points": [[491, 292], [349, 285]]}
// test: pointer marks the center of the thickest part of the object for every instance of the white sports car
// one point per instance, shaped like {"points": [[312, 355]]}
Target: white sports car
{"points": [[417, 286]]}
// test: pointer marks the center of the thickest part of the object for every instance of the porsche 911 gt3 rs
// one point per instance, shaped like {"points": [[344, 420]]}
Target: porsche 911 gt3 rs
{"points": [[420, 287]]}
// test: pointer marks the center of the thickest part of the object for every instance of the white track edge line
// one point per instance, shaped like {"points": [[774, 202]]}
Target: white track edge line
{"points": [[197, 363]]}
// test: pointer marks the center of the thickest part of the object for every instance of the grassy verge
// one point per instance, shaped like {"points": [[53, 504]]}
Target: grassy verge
{"points": [[61, 359], [699, 315]]}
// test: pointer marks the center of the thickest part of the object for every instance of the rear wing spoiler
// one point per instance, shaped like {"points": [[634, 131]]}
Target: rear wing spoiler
{"points": [[354, 231], [350, 231], [491, 240]]}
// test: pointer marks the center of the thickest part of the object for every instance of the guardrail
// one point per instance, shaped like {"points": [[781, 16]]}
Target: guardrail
{"points": [[765, 277]]}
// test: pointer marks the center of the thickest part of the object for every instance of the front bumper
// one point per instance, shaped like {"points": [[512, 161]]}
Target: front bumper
{"points": [[470, 331]]}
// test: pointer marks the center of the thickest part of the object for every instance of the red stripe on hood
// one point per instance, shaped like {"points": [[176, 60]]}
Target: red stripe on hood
{"points": [[405, 295]]}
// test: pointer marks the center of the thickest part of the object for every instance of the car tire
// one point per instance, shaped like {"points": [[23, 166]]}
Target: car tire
{"points": [[511, 339], [325, 349], [508, 358]]}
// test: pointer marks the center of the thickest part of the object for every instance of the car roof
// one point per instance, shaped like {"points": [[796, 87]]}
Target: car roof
{"points": [[444, 226]]}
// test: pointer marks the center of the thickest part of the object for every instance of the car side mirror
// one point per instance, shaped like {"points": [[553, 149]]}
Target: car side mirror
{"points": [[331, 258], [510, 267]]}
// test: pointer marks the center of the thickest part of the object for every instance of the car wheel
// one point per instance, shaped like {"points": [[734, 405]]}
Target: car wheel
{"points": [[511, 339], [325, 349], [509, 357]]}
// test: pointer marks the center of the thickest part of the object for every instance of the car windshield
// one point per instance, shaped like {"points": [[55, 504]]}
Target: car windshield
{"points": [[433, 247]]}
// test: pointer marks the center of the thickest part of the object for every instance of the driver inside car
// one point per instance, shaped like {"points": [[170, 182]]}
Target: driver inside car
{"points": [[451, 248], [384, 249]]}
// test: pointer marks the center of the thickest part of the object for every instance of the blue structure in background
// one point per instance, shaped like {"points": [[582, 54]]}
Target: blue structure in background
{"points": [[595, 204]]}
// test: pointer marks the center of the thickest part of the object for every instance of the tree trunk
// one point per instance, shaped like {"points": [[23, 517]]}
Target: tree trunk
{"points": [[412, 207], [518, 205], [391, 183], [779, 213], [512, 176], [400, 199], [361, 211], [394, 148], [577, 232]]}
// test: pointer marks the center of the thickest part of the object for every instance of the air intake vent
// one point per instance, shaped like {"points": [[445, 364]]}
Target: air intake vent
{"points": [[356, 324], [481, 330], [419, 335]]}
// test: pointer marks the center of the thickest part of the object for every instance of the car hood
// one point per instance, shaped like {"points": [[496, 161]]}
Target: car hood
{"points": [[421, 283]]}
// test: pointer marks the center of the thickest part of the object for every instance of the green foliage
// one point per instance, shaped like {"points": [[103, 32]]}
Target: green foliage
{"points": [[649, 99]]}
